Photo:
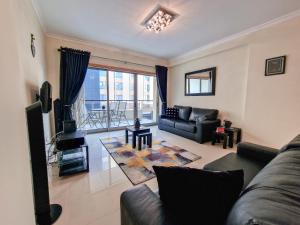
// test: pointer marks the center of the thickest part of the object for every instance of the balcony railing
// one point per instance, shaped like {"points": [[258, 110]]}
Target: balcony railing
{"points": [[93, 114]]}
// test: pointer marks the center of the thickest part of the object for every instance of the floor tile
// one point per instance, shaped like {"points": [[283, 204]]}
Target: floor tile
{"points": [[94, 198]]}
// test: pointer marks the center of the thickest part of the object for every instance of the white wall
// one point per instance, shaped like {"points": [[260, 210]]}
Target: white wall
{"points": [[53, 43], [230, 80], [20, 77], [267, 108]]}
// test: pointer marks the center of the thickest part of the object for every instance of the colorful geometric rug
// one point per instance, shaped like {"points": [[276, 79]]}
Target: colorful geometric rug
{"points": [[137, 164]]}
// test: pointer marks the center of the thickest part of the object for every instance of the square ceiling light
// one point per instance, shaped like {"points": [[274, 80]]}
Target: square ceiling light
{"points": [[159, 19]]}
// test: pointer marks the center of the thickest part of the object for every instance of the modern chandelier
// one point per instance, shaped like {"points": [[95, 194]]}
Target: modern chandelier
{"points": [[159, 19]]}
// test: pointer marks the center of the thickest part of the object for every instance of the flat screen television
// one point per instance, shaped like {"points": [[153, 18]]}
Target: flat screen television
{"points": [[46, 214]]}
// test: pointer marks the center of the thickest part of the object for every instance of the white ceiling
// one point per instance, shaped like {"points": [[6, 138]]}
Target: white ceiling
{"points": [[118, 22]]}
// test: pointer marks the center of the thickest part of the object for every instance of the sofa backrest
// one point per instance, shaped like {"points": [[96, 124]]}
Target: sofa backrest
{"points": [[188, 113], [184, 112], [203, 114], [295, 143], [273, 196]]}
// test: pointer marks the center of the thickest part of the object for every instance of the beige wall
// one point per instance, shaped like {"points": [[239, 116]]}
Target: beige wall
{"points": [[53, 59], [267, 108], [21, 75]]}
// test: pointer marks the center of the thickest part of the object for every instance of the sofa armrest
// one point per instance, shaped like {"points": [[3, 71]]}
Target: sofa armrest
{"points": [[209, 123], [140, 206], [205, 129], [162, 116], [256, 152]]}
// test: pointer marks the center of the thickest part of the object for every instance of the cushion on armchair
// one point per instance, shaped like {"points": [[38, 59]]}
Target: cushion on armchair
{"points": [[213, 193]]}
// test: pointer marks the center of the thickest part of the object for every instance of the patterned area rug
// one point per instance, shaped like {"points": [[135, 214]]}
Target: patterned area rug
{"points": [[137, 164]]}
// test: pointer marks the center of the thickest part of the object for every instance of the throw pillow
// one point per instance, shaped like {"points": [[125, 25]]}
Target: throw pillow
{"points": [[184, 112], [198, 197], [172, 113]]}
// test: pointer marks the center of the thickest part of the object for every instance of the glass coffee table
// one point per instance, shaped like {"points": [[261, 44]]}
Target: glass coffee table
{"points": [[134, 132]]}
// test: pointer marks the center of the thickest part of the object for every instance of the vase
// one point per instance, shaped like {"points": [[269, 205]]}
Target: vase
{"points": [[227, 123], [137, 123]]}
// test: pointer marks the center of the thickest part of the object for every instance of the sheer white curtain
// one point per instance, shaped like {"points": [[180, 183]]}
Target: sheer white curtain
{"points": [[79, 110]]}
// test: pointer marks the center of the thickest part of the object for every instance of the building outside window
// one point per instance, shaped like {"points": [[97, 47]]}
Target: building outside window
{"points": [[119, 86], [103, 97], [102, 84], [119, 97], [118, 75]]}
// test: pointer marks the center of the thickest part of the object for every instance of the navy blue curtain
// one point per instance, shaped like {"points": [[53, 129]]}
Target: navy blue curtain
{"points": [[161, 77], [73, 67]]}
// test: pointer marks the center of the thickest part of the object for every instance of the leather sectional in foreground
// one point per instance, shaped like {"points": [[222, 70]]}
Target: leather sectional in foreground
{"points": [[271, 193]]}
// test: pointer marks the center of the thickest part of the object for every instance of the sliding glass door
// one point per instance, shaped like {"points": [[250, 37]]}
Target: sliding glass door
{"points": [[121, 98], [147, 99], [113, 99], [91, 108]]}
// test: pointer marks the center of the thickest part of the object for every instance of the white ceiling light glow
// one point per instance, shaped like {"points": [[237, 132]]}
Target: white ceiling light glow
{"points": [[158, 19]]}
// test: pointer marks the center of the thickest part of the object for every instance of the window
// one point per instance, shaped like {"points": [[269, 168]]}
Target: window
{"points": [[107, 88], [102, 84], [119, 97], [119, 86], [103, 97], [118, 75]]}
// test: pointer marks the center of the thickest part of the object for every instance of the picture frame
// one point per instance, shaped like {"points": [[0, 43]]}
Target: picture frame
{"points": [[275, 66], [200, 82]]}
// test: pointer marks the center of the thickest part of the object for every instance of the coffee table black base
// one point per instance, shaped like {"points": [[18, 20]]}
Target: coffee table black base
{"points": [[135, 132]]}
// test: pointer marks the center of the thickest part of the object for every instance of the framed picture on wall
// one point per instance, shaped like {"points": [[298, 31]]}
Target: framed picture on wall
{"points": [[275, 66]]}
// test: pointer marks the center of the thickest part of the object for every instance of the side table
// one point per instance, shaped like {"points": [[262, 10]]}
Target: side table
{"points": [[232, 131], [217, 136], [228, 136], [134, 132]]}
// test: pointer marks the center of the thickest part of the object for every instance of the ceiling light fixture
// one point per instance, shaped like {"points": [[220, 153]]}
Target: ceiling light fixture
{"points": [[159, 19]]}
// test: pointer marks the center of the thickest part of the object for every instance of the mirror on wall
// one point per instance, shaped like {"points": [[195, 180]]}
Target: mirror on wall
{"points": [[201, 82]]}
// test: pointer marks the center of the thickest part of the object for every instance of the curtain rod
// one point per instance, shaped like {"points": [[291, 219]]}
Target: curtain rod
{"points": [[117, 60]]}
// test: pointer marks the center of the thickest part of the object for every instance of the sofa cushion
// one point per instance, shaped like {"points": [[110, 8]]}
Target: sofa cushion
{"points": [[167, 122], [203, 114], [186, 126], [273, 196], [198, 197], [184, 112]]}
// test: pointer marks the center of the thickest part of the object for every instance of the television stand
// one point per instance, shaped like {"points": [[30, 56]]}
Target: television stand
{"points": [[73, 153]]}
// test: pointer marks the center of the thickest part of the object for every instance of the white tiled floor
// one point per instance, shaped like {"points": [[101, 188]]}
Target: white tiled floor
{"points": [[94, 198]]}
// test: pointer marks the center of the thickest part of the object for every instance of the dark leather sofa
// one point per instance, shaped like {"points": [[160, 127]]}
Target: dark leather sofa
{"points": [[271, 194], [193, 123]]}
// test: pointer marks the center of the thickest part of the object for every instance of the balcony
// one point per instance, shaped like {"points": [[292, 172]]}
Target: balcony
{"points": [[94, 115]]}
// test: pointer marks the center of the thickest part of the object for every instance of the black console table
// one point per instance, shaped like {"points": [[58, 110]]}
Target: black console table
{"points": [[73, 153]]}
